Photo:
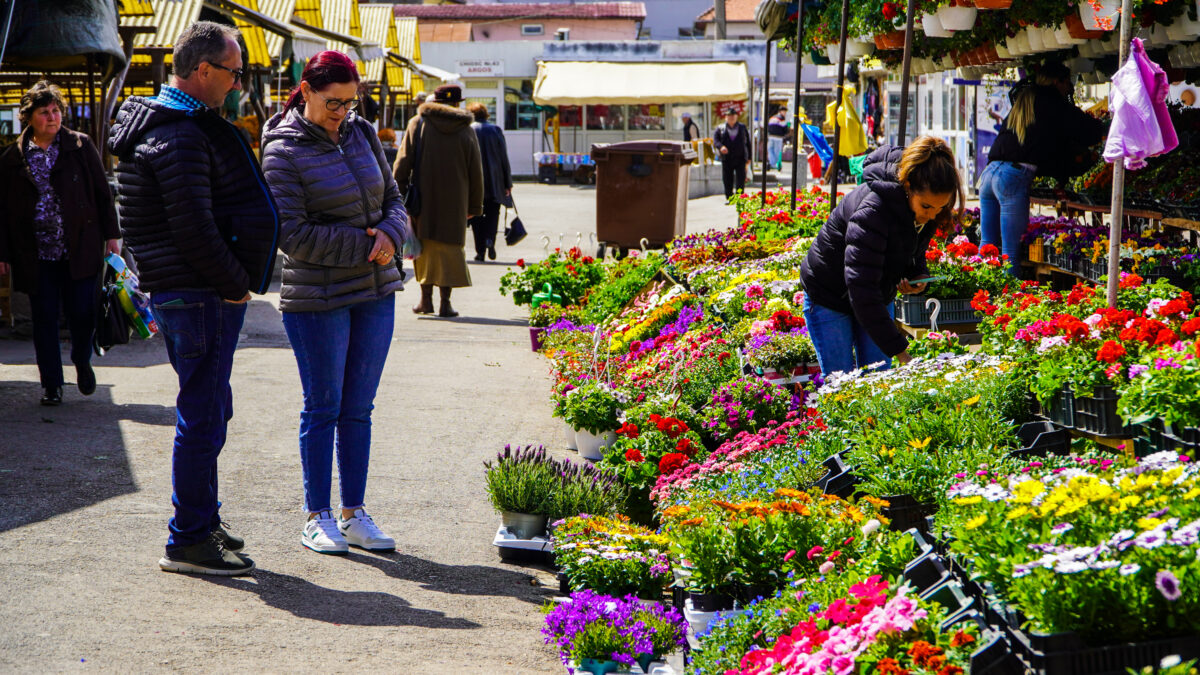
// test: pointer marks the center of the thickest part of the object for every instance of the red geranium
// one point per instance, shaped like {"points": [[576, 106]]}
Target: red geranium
{"points": [[1191, 326], [1110, 351], [520, 262], [634, 455], [989, 250], [1165, 336], [672, 462], [628, 430], [684, 446], [890, 10], [1129, 281]]}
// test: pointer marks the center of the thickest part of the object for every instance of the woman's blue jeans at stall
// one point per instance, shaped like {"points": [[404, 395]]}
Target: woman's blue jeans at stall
{"points": [[842, 343], [1004, 208], [340, 354]]}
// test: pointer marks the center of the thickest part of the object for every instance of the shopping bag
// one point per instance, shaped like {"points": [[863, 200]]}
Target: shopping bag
{"points": [[112, 323]]}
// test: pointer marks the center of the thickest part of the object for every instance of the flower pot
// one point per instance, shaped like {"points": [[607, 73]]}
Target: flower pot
{"points": [[536, 334], [1077, 30], [710, 602], [892, 40], [859, 48], [1099, 14], [1036, 44], [569, 434], [1183, 28], [591, 446], [524, 525], [993, 4], [932, 25], [644, 660], [597, 667], [1013, 45], [1049, 40], [957, 18]]}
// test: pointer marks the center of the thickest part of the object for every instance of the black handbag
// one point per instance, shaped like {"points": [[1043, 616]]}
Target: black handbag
{"points": [[514, 232], [412, 200], [112, 324]]}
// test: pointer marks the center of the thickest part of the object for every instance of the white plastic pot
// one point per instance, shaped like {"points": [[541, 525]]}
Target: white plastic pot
{"points": [[591, 446], [569, 436], [1023, 41], [1036, 44], [859, 48], [1159, 37], [1002, 51], [1183, 28], [1013, 45], [1049, 39], [957, 18], [932, 25], [1103, 16]]}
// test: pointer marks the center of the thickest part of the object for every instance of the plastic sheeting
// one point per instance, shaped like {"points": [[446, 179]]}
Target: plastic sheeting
{"points": [[600, 82]]}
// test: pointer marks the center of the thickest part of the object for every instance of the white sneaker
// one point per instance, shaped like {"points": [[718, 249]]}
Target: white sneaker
{"points": [[362, 532], [321, 535]]}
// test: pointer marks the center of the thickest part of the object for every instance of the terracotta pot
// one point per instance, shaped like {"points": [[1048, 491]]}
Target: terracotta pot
{"points": [[892, 40], [990, 54], [993, 4]]}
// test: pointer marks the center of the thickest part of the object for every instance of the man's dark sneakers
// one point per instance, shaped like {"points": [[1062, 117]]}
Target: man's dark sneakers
{"points": [[231, 541], [85, 379], [208, 557], [52, 396]]}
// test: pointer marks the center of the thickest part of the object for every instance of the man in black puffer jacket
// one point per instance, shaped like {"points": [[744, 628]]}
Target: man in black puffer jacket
{"points": [[201, 224], [872, 244]]}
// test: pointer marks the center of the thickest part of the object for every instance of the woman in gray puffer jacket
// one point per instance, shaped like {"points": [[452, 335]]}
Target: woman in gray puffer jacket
{"points": [[341, 220]]}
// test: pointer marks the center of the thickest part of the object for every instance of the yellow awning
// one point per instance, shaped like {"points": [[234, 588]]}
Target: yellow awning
{"points": [[407, 37], [169, 19], [254, 36], [379, 25], [586, 82]]}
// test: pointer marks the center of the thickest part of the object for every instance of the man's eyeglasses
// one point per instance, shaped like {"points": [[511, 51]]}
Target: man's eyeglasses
{"points": [[333, 104], [236, 72]]}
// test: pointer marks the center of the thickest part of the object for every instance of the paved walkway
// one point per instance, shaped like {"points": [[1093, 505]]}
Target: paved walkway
{"points": [[85, 495]]}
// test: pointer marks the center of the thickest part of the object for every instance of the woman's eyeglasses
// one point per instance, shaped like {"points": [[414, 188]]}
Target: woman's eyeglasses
{"points": [[333, 104]]}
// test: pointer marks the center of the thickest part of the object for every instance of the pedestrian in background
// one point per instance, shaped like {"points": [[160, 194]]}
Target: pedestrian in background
{"points": [[777, 130], [732, 142], [202, 227], [497, 181], [1042, 136], [57, 221], [342, 220], [691, 132], [873, 245], [440, 148]]}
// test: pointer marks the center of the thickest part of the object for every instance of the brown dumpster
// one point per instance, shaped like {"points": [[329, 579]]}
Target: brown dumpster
{"points": [[641, 192]]}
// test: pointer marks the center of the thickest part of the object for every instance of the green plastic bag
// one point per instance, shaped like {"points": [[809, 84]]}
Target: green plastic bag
{"points": [[856, 167]]}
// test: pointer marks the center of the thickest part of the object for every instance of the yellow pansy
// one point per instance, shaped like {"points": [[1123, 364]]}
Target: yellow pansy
{"points": [[976, 521]]}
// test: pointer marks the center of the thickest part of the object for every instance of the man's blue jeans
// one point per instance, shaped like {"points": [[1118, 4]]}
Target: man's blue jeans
{"points": [[842, 343], [340, 354], [201, 333], [1004, 208]]}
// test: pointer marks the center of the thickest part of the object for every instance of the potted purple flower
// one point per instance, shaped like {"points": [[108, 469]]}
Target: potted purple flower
{"points": [[601, 634]]}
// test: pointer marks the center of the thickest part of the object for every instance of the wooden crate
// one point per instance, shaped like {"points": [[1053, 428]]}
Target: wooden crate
{"points": [[1037, 251]]}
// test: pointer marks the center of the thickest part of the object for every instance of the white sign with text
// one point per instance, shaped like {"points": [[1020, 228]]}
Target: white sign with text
{"points": [[480, 67]]}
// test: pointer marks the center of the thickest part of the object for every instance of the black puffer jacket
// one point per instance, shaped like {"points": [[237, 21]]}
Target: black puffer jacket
{"points": [[195, 209], [328, 196], [497, 174], [869, 244]]}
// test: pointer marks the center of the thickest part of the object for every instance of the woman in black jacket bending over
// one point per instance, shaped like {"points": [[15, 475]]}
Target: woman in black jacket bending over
{"points": [[873, 243]]}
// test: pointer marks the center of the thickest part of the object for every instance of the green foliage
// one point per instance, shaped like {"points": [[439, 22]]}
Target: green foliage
{"points": [[623, 281], [593, 406]]}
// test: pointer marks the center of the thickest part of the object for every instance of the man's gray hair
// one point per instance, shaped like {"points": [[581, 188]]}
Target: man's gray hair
{"points": [[202, 41]]}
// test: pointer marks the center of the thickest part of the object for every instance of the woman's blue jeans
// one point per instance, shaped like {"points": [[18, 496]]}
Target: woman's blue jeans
{"points": [[340, 354], [1004, 208], [842, 343]]}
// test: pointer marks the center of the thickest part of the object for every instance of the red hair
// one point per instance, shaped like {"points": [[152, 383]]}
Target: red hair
{"points": [[322, 70]]}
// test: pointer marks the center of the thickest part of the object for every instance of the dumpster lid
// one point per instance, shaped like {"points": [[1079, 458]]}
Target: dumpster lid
{"points": [[668, 148]]}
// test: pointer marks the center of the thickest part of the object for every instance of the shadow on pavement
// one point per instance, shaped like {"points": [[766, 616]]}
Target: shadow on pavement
{"points": [[56, 460], [479, 320], [455, 579], [351, 608]]}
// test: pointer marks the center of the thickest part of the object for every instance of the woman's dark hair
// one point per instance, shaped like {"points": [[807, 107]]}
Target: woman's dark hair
{"points": [[479, 110], [927, 165], [322, 70], [40, 95]]}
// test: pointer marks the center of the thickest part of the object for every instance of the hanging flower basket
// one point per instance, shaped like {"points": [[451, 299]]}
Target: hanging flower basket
{"points": [[1182, 28], [993, 4], [1099, 14], [856, 48], [892, 40], [1076, 29], [957, 18], [932, 25]]}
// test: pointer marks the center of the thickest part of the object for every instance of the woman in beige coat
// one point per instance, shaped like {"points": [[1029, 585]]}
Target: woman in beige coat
{"points": [[450, 183]]}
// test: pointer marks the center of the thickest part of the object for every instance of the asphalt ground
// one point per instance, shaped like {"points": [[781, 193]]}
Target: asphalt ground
{"points": [[85, 496]]}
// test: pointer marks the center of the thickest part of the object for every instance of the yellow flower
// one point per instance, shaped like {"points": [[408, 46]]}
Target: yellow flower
{"points": [[965, 501], [976, 521], [1017, 513], [1149, 523], [971, 401], [1070, 506], [921, 445], [1026, 491]]}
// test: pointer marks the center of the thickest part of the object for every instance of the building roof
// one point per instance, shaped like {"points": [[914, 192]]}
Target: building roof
{"points": [[735, 10], [443, 31], [526, 10]]}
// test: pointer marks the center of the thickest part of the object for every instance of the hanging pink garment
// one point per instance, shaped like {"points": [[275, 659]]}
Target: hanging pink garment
{"points": [[1141, 124]]}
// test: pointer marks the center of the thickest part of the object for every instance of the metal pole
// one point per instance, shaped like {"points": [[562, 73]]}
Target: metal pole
{"points": [[1118, 181], [796, 99], [837, 106], [765, 103], [902, 133]]}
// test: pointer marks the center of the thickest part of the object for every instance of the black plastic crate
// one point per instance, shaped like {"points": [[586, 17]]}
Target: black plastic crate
{"points": [[1154, 436], [1039, 439], [906, 513], [1061, 409], [1097, 414], [1062, 261], [1093, 271], [1068, 654], [911, 311]]}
